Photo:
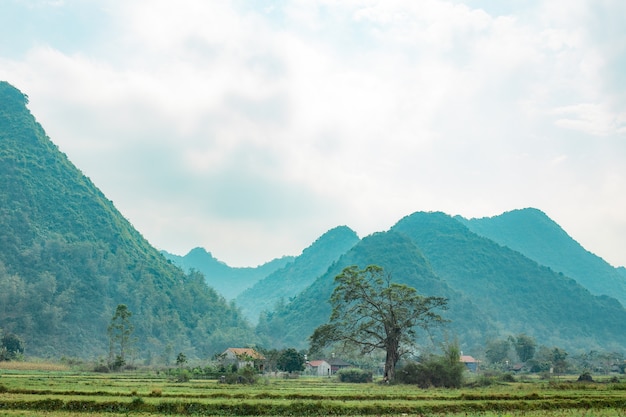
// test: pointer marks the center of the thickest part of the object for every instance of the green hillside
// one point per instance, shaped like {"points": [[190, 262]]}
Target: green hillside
{"points": [[287, 282], [535, 235], [518, 293], [493, 291], [68, 258], [226, 280], [292, 323]]}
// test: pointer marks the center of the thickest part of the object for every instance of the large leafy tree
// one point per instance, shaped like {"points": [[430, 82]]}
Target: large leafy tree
{"points": [[372, 312], [290, 360]]}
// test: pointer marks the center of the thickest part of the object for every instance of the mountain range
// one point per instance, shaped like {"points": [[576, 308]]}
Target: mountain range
{"points": [[532, 233], [228, 281], [68, 258]]}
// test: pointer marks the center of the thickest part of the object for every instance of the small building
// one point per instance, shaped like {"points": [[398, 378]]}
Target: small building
{"points": [[337, 364], [470, 363], [243, 357], [318, 368]]}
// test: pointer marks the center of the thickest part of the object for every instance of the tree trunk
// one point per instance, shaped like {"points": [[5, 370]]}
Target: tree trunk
{"points": [[390, 360]]}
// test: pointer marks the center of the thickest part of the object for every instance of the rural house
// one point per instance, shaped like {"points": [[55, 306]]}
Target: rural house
{"points": [[337, 364], [243, 357], [318, 368], [470, 363]]}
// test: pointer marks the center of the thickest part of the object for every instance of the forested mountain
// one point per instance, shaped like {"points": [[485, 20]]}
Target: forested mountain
{"points": [[523, 296], [493, 291], [283, 284], [226, 280], [292, 323], [68, 258], [535, 235]]}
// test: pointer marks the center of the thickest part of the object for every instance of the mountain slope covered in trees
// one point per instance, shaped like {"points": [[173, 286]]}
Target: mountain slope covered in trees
{"points": [[287, 282], [68, 258], [522, 295], [292, 323], [493, 290], [532, 233], [226, 280]]}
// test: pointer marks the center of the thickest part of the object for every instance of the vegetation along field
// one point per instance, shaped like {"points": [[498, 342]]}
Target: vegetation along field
{"points": [[57, 392]]}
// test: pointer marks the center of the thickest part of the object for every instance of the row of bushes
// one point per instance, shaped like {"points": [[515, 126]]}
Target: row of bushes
{"points": [[312, 408]]}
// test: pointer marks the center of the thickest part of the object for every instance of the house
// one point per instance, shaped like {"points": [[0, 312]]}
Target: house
{"points": [[470, 363], [318, 368], [337, 364], [243, 357]]}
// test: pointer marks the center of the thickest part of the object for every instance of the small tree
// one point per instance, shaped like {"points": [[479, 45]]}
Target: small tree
{"points": [[120, 331], [524, 347], [370, 311], [559, 360], [11, 347], [497, 351], [290, 360], [181, 360]]}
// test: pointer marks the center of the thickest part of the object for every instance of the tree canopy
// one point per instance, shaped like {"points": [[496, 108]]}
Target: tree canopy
{"points": [[290, 360], [372, 312]]}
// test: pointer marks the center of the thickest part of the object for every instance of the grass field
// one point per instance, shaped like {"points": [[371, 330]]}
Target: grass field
{"points": [[50, 391]]}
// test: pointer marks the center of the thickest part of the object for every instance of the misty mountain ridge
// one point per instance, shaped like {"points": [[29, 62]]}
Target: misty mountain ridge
{"points": [[287, 282], [228, 281]]}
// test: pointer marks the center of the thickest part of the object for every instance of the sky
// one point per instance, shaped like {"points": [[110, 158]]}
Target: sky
{"points": [[250, 128]]}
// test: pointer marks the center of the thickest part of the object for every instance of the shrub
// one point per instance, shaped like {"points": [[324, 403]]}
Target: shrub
{"points": [[585, 377], [435, 371], [354, 375], [245, 375], [183, 376], [507, 377], [101, 368]]}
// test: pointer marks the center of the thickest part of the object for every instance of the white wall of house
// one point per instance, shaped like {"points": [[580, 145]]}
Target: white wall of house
{"points": [[323, 369]]}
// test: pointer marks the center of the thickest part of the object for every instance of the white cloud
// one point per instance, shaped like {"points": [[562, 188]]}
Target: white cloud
{"points": [[252, 130], [590, 118]]}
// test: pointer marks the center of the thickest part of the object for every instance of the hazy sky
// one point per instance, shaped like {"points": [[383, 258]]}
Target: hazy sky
{"points": [[252, 127]]}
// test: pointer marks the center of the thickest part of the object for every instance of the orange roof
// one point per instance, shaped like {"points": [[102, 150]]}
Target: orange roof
{"points": [[468, 359], [246, 352]]}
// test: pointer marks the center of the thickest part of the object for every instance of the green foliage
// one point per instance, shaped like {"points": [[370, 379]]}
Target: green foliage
{"points": [[372, 312], [435, 371], [290, 360], [68, 258], [181, 359], [525, 347], [11, 347], [515, 292], [183, 375], [497, 351], [245, 375], [120, 341], [355, 375], [532, 233]]}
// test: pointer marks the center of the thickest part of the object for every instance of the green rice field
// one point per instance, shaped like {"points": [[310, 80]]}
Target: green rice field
{"points": [[57, 392]]}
